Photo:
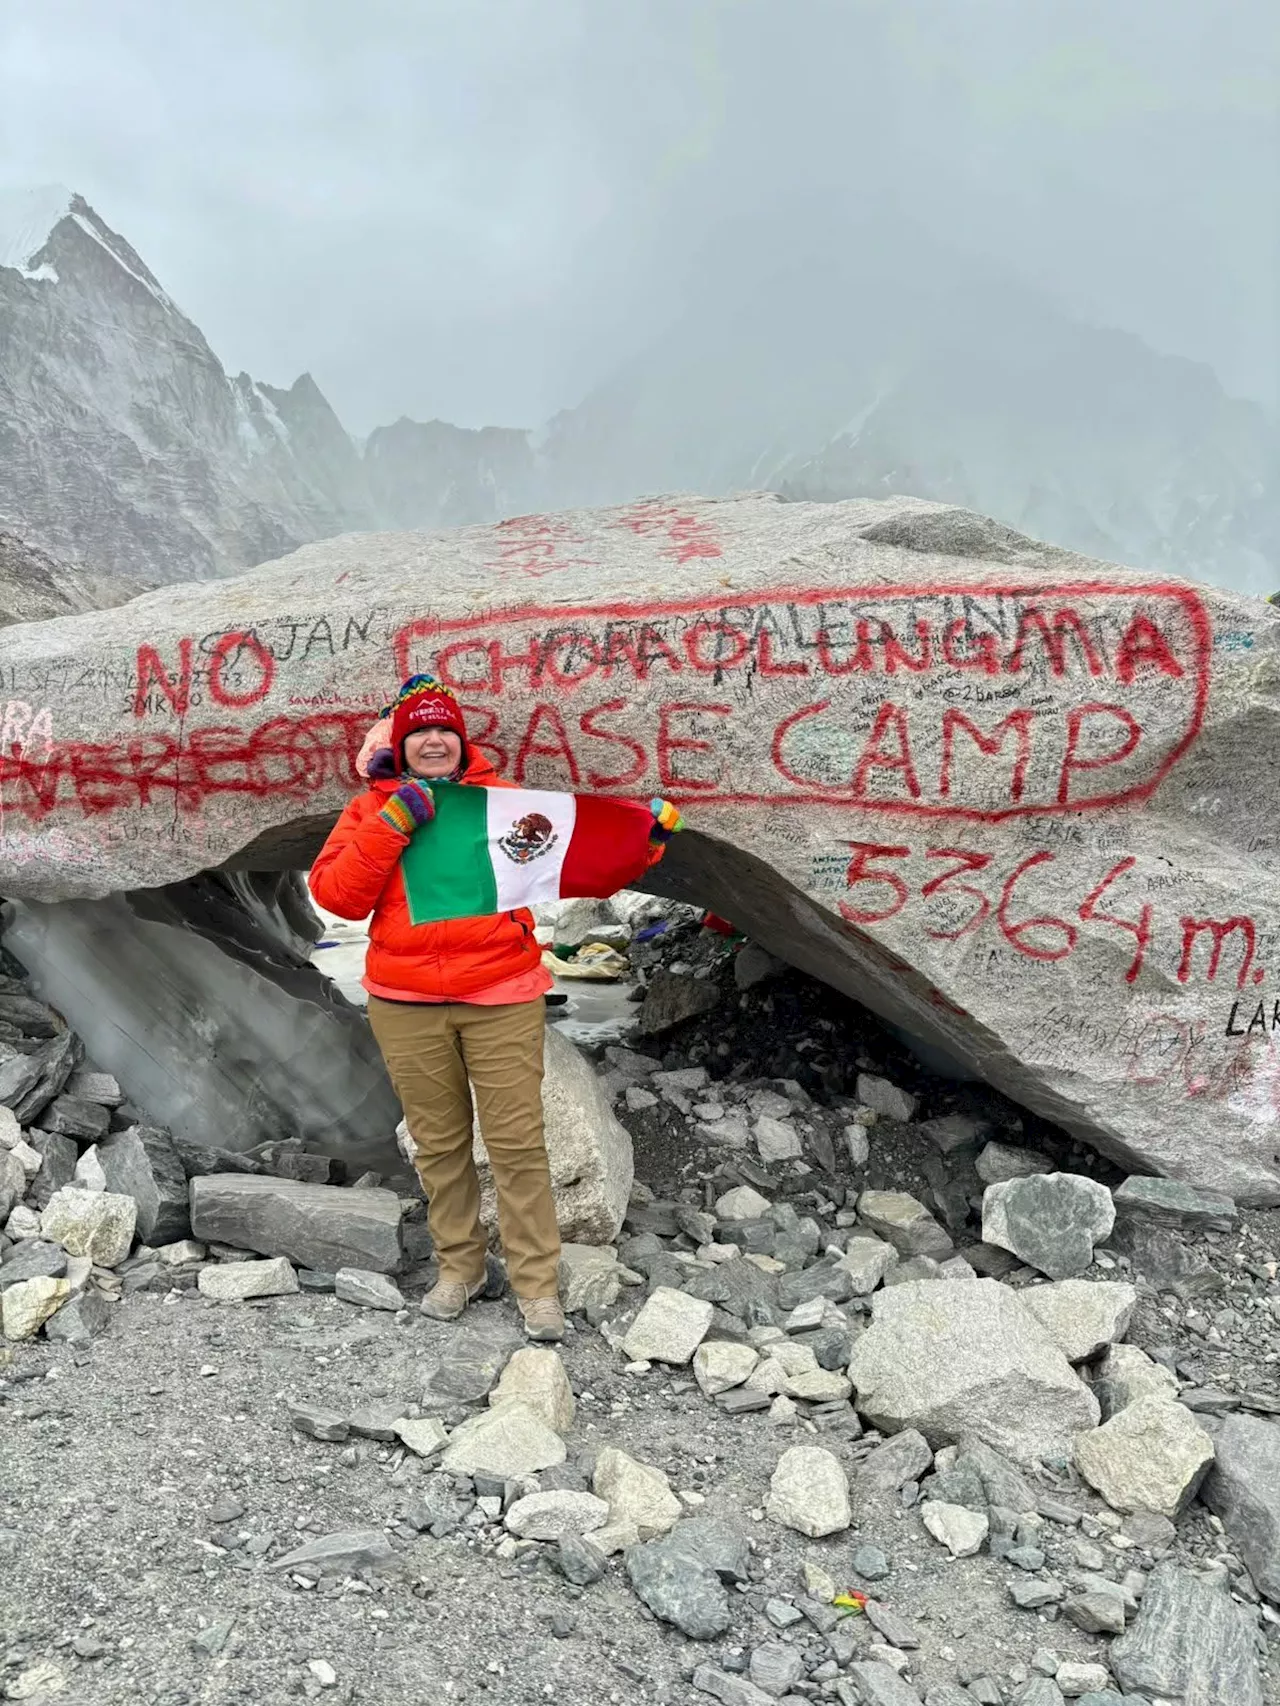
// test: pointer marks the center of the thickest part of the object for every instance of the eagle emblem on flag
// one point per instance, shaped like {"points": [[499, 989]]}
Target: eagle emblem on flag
{"points": [[528, 838]]}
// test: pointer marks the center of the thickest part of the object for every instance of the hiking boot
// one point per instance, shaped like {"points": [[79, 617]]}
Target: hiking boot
{"points": [[448, 1298], [543, 1319]]}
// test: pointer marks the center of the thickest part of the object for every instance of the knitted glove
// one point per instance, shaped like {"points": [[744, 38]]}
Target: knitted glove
{"points": [[381, 766], [666, 823], [409, 808]]}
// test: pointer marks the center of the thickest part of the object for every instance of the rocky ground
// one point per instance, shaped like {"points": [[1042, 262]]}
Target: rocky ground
{"points": [[721, 1486]]}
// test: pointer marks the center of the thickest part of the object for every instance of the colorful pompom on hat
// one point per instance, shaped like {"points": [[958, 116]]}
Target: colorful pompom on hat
{"points": [[424, 703]]}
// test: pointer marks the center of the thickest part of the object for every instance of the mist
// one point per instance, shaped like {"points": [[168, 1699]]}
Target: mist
{"points": [[482, 213]]}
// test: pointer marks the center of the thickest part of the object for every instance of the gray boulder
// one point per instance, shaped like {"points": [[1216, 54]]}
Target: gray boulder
{"points": [[1170, 1202], [1243, 1488], [951, 1360], [142, 1163], [679, 1588], [1049, 1220], [316, 1226]]}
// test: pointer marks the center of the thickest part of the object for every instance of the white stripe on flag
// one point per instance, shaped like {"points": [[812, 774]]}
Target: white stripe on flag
{"points": [[534, 879]]}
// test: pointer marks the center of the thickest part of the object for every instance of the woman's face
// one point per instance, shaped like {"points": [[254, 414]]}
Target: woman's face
{"points": [[432, 752]]}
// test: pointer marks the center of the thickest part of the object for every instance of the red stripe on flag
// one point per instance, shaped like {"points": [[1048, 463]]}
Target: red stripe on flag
{"points": [[609, 847]]}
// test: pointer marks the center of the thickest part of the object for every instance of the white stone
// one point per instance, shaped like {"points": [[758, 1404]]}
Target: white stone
{"points": [[588, 1274], [868, 1260], [553, 1515], [183, 1251], [959, 1529], [1151, 1456], [29, 1159], [509, 1441], [25, 1307], [742, 1203], [425, 1436], [1082, 1317], [718, 1365], [636, 1493], [90, 1223], [1075, 1678], [10, 1129], [88, 1171], [951, 1360], [885, 1098], [23, 1223], [777, 1140], [669, 1328], [233, 1282], [809, 1491], [817, 1386], [857, 1146], [536, 1376]]}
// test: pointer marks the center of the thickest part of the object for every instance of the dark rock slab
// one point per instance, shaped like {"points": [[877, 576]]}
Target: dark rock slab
{"points": [[73, 1117], [1190, 1643], [343, 1552], [58, 1060], [672, 997], [903, 1458], [142, 1163], [198, 1159], [1168, 1202], [718, 1544], [80, 1320], [34, 1258], [1243, 1488], [316, 1226], [30, 1016], [679, 1588], [59, 1155]]}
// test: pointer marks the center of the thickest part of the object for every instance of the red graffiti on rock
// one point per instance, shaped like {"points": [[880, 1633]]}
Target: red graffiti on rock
{"points": [[979, 702]]}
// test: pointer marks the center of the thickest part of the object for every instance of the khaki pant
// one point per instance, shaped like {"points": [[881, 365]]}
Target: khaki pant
{"points": [[432, 1049]]}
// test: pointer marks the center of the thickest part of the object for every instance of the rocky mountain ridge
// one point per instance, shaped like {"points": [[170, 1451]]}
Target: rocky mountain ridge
{"points": [[126, 446]]}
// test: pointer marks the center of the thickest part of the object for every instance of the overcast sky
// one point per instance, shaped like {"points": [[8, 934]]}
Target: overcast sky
{"points": [[474, 209]]}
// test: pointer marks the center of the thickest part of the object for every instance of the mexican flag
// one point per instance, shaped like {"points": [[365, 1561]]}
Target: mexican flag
{"points": [[491, 849]]}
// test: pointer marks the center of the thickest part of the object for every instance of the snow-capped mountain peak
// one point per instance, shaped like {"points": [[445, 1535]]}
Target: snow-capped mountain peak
{"points": [[27, 217]]}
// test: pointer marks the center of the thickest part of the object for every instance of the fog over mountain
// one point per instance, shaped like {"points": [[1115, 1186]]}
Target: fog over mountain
{"points": [[1014, 256]]}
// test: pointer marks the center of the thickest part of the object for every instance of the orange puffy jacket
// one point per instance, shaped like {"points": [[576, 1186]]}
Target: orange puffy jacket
{"points": [[358, 873]]}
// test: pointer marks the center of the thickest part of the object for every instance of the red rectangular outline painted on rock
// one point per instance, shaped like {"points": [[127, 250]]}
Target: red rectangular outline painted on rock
{"points": [[1186, 598]]}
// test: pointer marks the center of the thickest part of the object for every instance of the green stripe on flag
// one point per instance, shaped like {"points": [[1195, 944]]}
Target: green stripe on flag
{"points": [[447, 867]]}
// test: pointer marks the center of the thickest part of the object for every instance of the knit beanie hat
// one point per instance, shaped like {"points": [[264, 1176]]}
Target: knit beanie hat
{"points": [[424, 703]]}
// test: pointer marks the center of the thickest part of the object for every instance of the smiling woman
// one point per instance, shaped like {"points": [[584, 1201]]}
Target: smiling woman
{"points": [[454, 970]]}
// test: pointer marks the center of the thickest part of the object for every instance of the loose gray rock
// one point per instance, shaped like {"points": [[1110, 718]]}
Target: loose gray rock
{"points": [[70, 1117], [880, 1685], [730, 1690], [1152, 1456], [1243, 1488], [672, 997], [1001, 1161], [679, 1589], [1168, 1202], [367, 1289], [346, 1551], [34, 1258], [715, 1542], [904, 1222], [1126, 1374], [775, 1667], [80, 1320], [905, 1457], [1082, 1317], [959, 1529], [316, 1226], [1051, 1221], [777, 1140], [319, 1423], [1190, 1643], [553, 1515], [885, 1098], [1040, 1691], [635, 1492], [954, 1360], [1034, 1593], [579, 1561], [142, 1163], [58, 1156]]}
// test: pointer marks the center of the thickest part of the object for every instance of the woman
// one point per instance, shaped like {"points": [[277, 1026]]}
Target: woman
{"points": [[456, 1007]]}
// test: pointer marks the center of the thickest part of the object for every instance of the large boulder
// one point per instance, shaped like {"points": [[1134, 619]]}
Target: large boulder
{"points": [[1020, 802], [1243, 1488], [953, 1361]]}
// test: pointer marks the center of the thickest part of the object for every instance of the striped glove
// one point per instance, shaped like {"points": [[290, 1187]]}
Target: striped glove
{"points": [[666, 823], [409, 808]]}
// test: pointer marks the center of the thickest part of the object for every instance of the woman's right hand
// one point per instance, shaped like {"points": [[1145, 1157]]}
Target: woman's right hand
{"points": [[409, 807]]}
